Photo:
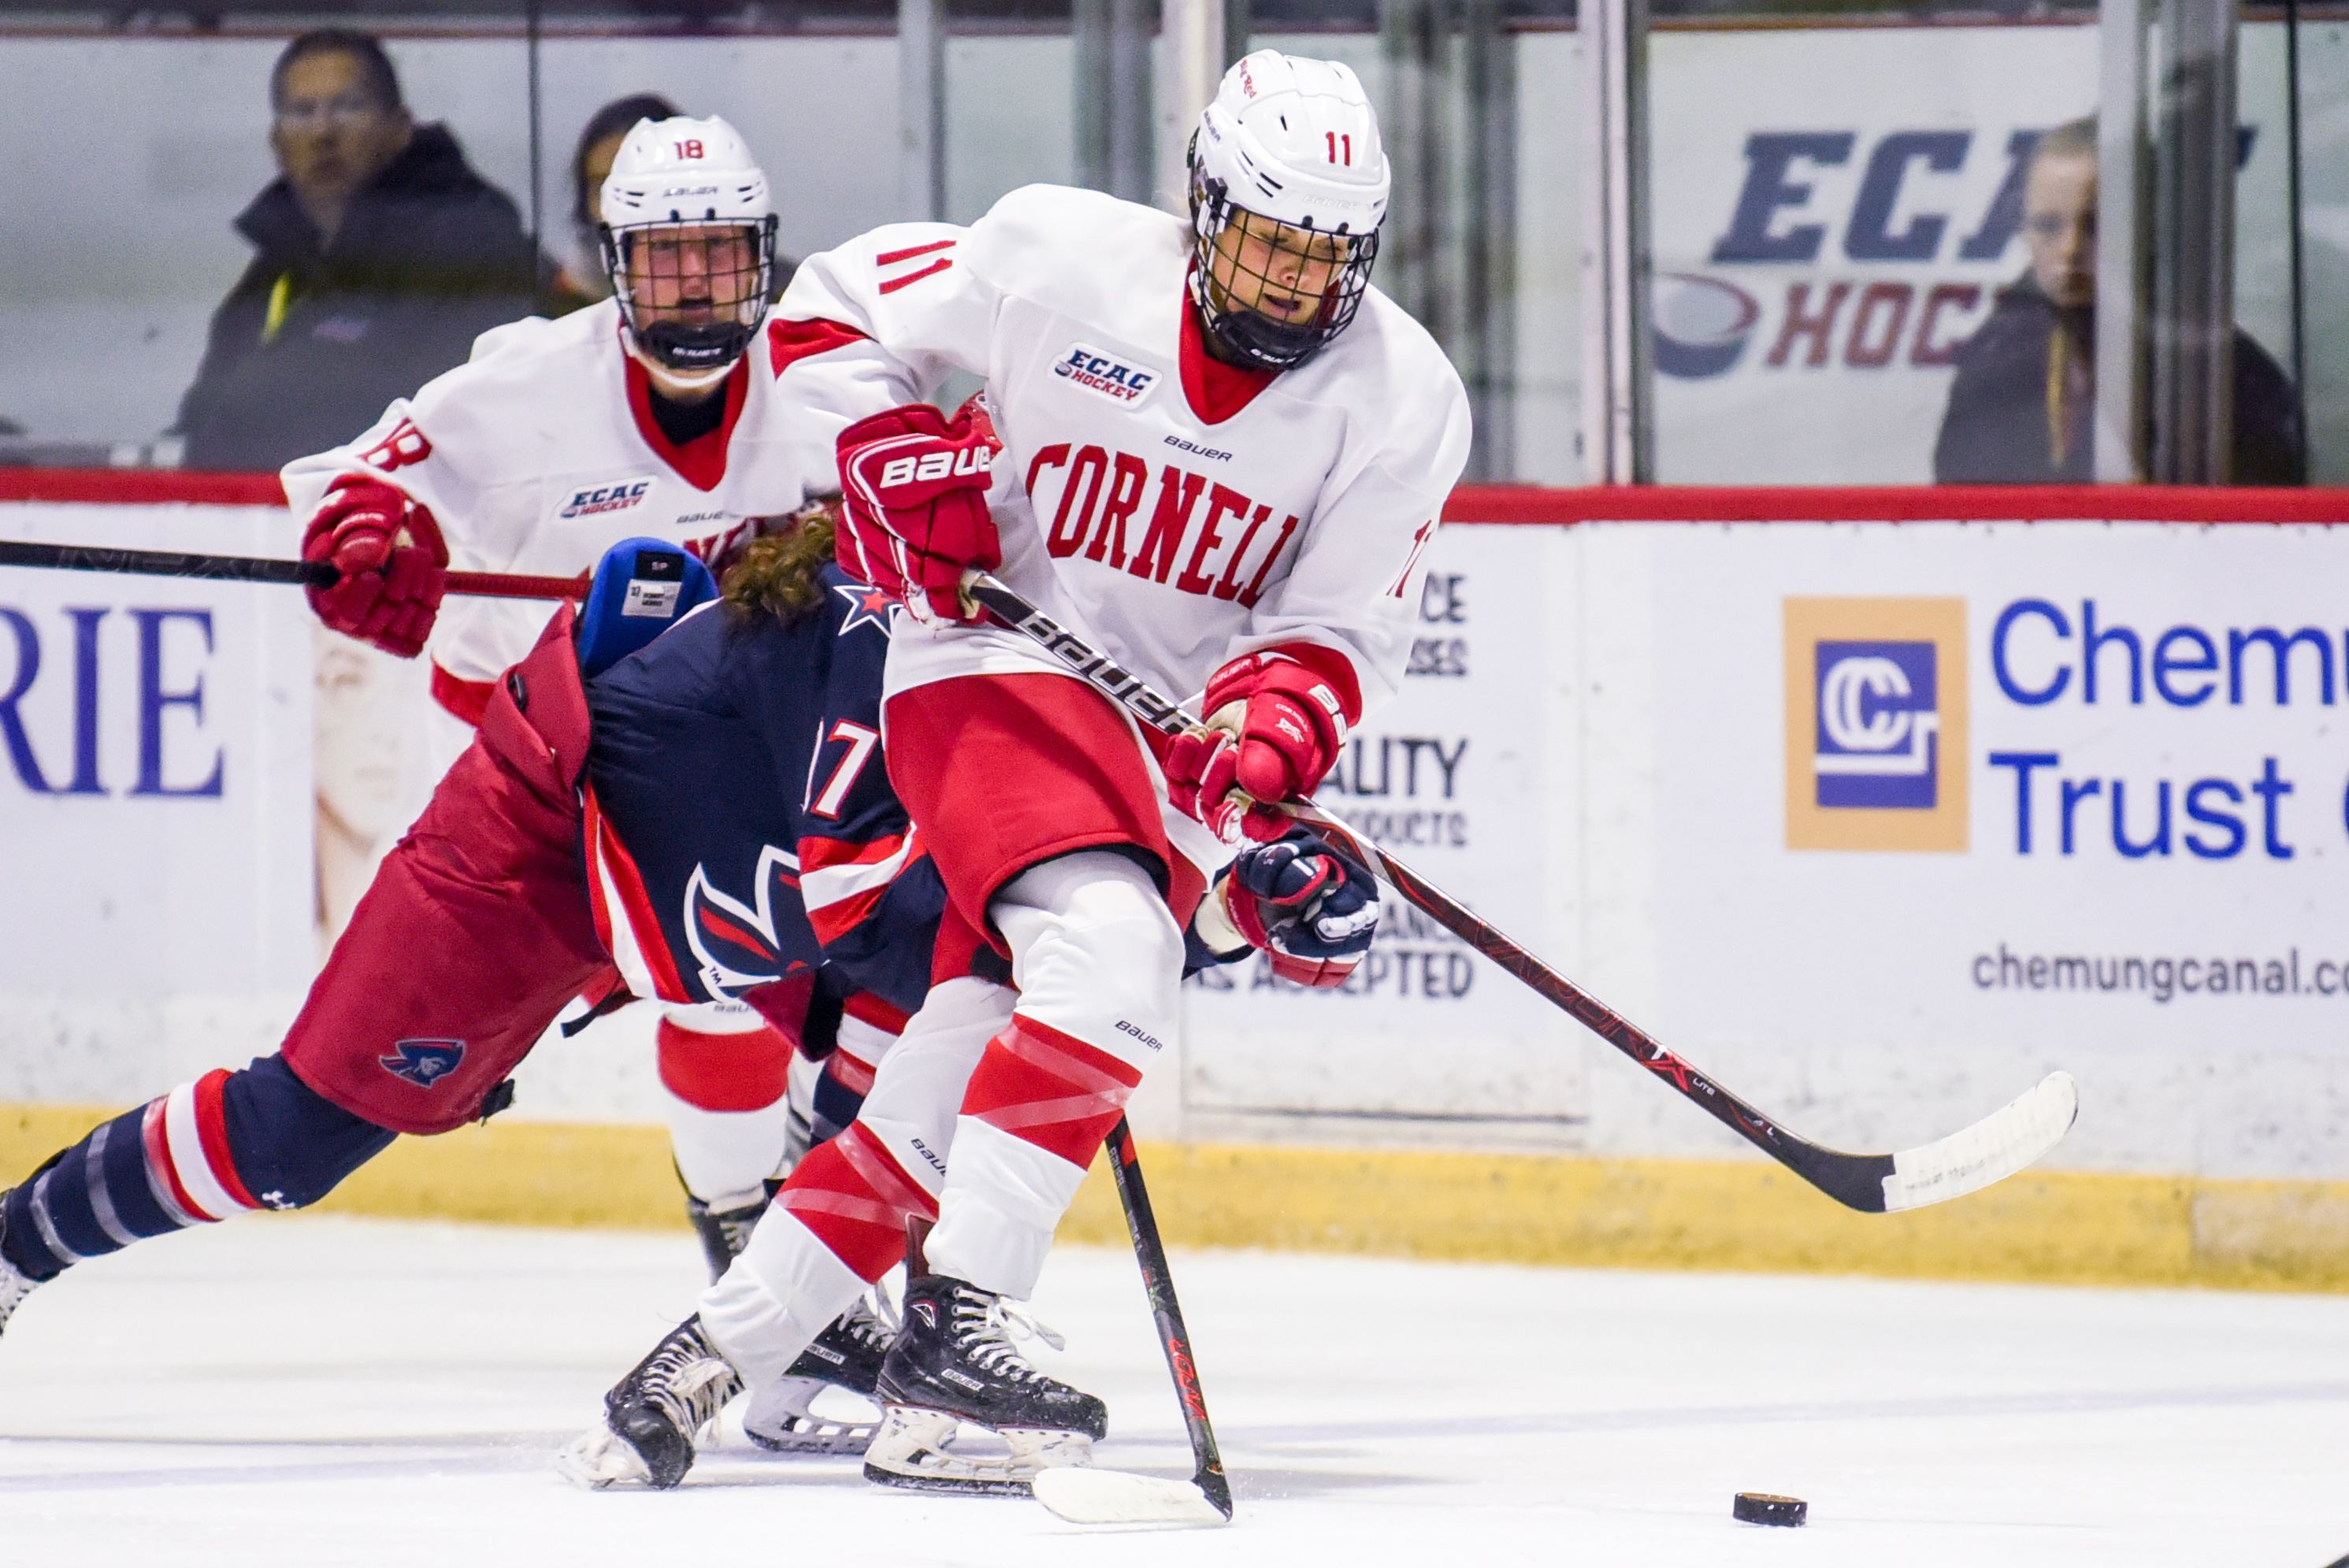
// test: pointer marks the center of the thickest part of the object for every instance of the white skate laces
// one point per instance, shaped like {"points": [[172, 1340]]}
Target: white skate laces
{"points": [[988, 1327]]}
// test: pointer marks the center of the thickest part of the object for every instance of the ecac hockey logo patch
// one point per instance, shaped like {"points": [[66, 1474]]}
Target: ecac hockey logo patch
{"points": [[597, 499], [1094, 371], [423, 1062], [1876, 718]]}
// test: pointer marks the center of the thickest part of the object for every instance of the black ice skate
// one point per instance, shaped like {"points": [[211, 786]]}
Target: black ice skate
{"points": [[955, 1361], [651, 1416], [15, 1285], [724, 1232], [847, 1354]]}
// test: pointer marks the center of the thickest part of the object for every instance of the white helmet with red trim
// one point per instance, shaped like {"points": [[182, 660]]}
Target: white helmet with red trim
{"points": [[1294, 141], [689, 240]]}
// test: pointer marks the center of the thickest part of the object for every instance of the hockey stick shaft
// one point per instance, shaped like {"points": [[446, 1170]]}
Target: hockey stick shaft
{"points": [[1125, 1169], [1987, 1151], [255, 569]]}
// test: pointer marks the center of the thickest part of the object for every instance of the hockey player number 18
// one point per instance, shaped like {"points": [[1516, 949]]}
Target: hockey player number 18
{"points": [[688, 148]]}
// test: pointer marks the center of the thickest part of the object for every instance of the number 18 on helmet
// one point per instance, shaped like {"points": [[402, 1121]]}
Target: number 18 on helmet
{"points": [[689, 242]]}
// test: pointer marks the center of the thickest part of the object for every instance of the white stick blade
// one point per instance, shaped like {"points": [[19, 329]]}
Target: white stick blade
{"points": [[1991, 1149], [1083, 1495]]}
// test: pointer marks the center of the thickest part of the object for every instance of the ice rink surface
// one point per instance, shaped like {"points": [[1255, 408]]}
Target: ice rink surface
{"points": [[326, 1391]]}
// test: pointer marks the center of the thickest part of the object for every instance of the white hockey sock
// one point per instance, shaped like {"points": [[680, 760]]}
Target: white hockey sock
{"points": [[776, 1298], [1097, 957], [722, 1072]]}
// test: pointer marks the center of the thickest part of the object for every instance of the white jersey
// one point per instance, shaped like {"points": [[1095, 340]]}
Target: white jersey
{"points": [[541, 452], [1171, 510]]}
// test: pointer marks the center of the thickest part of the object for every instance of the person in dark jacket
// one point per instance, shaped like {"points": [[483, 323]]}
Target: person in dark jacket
{"points": [[2022, 408], [382, 255]]}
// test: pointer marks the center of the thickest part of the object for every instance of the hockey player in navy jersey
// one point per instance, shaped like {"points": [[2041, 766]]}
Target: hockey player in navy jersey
{"points": [[741, 844], [1218, 455]]}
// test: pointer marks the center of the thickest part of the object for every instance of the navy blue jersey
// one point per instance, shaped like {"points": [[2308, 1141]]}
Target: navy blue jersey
{"points": [[739, 823]]}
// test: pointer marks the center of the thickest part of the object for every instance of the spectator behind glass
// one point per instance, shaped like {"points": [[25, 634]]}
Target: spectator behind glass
{"points": [[2022, 408], [584, 280], [381, 257]]}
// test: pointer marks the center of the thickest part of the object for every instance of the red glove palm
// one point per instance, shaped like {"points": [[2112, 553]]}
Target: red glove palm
{"points": [[1293, 711], [393, 562], [914, 494]]}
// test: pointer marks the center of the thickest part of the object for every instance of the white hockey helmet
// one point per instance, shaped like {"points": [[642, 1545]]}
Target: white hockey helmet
{"points": [[684, 174], [1294, 141]]}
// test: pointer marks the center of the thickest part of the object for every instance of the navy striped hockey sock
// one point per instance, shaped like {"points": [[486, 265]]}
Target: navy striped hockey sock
{"points": [[225, 1144]]}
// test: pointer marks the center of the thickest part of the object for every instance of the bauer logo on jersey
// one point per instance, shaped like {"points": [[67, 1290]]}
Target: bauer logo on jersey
{"points": [[596, 499], [1876, 724], [1094, 371], [423, 1062]]}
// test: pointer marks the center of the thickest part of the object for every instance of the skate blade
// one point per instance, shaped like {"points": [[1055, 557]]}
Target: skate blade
{"points": [[814, 1435], [598, 1457], [783, 1420], [913, 1450], [1083, 1495]]}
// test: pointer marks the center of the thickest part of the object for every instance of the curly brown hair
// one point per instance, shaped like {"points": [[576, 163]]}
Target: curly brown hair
{"points": [[776, 572]]}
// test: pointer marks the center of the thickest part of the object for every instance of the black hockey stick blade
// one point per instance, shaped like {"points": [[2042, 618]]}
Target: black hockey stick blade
{"points": [[257, 569], [2002, 1143], [1087, 1496]]}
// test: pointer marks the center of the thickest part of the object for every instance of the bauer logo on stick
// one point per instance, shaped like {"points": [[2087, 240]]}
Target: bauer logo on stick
{"points": [[1876, 724]]}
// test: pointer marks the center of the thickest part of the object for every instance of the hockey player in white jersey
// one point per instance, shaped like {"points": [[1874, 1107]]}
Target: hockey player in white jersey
{"points": [[1218, 455], [672, 410]]}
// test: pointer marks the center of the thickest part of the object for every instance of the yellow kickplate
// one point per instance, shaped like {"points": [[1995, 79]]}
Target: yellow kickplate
{"points": [[2057, 1227]]}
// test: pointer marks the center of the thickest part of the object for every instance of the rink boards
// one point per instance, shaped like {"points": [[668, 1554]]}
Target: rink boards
{"points": [[1844, 811]]}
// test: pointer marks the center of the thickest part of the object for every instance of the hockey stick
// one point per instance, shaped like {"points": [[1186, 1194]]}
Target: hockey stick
{"points": [[1088, 1496], [255, 569], [1991, 1149]]}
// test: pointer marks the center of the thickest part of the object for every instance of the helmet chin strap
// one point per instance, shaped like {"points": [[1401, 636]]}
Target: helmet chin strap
{"points": [[686, 381]]}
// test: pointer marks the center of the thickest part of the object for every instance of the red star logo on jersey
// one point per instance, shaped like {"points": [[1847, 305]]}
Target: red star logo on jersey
{"points": [[867, 607]]}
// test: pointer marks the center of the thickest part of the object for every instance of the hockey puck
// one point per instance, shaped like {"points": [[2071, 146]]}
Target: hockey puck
{"points": [[1761, 1508]]}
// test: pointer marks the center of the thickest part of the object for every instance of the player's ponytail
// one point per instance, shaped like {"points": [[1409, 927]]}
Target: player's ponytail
{"points": [[776, 573]]}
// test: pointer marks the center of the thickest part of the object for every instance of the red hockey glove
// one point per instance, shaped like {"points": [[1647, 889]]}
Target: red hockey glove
{"points": [[1313, 911], [393, 560], [914, 504], [1276, 725]]}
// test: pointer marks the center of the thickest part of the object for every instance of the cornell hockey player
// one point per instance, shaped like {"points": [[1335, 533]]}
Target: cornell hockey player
{"points": [[647, 415], [1221, 458]]}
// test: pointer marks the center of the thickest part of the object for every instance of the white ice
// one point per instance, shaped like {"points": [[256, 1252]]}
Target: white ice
{"points": [[317, 1391]]}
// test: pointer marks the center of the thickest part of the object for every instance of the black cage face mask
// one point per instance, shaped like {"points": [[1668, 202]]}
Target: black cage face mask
{"points": [[1250, 336], [692, 294]]}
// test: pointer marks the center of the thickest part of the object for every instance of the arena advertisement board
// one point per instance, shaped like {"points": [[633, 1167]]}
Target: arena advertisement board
{"points": [[1464, 778], [1877, 822], [1944, 806], [1836, 211], [155, 816]]}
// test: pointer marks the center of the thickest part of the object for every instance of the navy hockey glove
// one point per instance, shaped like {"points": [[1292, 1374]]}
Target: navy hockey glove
{"points": [[1312, 910]]}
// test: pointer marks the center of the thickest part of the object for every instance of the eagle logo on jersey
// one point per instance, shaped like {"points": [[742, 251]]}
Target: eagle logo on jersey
{"points": [[1087, 367], [423, 1062], [867, 607], [736, 942]]}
